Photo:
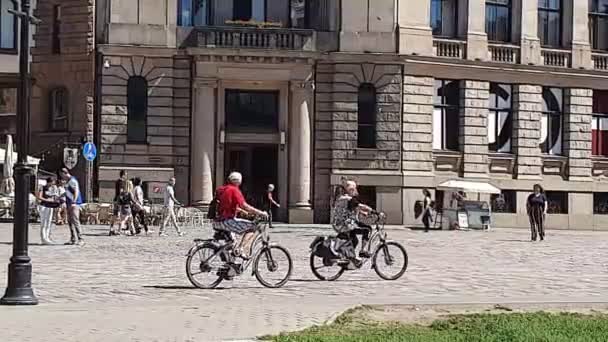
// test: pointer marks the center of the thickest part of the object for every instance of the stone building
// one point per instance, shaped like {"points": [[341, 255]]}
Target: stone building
{"points": [[63, 69], [9, 68], [398, 94]]}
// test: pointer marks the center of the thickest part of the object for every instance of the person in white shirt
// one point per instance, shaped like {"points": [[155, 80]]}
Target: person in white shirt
{"points": [[169, 211], [139, 212]]}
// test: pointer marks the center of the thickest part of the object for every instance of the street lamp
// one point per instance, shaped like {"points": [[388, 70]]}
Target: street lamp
{"points": [[19, 289]]}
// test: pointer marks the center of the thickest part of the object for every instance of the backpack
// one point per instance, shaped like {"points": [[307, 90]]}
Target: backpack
{"points": [[212, 213]]}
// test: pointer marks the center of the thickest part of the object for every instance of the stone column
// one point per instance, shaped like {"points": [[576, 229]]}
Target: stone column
{"points": [[299, 152], [203, 142], [473, 137], [477, 39], [581, 49], [530, 43], [527, 108], [415, 35], [577, 133]]}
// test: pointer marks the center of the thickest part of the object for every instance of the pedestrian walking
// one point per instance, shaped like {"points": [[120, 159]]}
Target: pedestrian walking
{"points": [[118, 185], [537, 212], [73, 203], [270, 203], [125, 203], [139, 213], [427, 210], [48, 198], [169, 209]]}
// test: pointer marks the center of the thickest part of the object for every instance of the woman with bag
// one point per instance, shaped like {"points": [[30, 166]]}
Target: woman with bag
{"points": [[48, 197]]}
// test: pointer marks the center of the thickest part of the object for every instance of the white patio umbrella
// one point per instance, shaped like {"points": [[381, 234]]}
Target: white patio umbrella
{"points": [[8, 183], [467, 186]]}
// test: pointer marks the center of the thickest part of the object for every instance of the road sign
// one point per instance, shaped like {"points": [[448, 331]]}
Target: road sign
{"points": [[89, 151]]}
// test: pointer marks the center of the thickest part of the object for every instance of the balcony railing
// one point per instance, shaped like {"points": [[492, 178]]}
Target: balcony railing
{"points": [[504, 53], [253, 38], [449, 48], [556, 57], [600, 61]]}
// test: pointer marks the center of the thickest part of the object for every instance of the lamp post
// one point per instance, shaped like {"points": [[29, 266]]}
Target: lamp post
{"points": [[19, 289]]}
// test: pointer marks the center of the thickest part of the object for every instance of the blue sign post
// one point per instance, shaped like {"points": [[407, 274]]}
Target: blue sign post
{"points": [[89, 151]]}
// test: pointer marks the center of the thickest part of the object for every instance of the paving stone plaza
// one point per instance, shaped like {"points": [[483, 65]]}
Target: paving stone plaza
{"points": [[135, 288]]}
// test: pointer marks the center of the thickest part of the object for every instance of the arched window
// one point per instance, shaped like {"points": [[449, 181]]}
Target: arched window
{"points": [[366, 119], [58, 109], [137, 109]]}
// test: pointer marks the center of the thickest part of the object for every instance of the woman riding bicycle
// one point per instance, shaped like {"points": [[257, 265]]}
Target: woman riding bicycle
{"points": [[345, 218]]}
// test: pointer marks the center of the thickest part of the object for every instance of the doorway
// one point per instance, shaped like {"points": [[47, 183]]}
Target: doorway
{"points": [[258, 163]]}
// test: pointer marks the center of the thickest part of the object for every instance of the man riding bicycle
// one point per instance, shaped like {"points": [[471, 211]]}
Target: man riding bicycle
{"points": [[346, 211], [230, 201]]}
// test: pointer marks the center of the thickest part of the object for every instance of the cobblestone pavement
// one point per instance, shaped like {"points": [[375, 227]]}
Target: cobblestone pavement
{"points": [[135, 288]]}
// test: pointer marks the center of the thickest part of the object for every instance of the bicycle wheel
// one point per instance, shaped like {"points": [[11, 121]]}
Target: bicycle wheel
{"points": [[277, 261], [390, 253], [203, 266], [317, 265]]}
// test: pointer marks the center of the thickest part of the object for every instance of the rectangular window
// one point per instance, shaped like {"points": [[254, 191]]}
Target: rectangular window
{"points": [[444, 18], [313, 14], [551, 130], [8, 26], [550, 22], [498, 20], [56, 42], [506, 202], [252, 111], [599, 125], [598, 24], [193, 12], [600, 203], [8, 111], [367, 106], [500, 118], [446, 115], [557, 202]]}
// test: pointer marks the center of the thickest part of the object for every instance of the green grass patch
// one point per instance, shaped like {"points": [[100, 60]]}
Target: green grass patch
{"points": [[508, 327]]}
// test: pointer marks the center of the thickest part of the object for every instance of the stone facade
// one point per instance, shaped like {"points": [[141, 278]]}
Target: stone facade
{"points": [[316, 75], [474, 128], [69, 65], [168, 120], [526, 129], [577, 133]]}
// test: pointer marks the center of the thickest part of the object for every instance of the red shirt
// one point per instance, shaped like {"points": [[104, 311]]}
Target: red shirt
{"points": [[230, 197]]}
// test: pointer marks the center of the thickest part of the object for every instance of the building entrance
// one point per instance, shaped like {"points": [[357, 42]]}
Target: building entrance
{"points": [[259, 166]]}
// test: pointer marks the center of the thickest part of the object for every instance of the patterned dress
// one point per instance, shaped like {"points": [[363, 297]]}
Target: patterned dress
{"points": [[343, 219]]}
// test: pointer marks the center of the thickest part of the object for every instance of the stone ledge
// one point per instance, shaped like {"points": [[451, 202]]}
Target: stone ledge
{"points": [[449, 161], [554, 165], [501, 163]]}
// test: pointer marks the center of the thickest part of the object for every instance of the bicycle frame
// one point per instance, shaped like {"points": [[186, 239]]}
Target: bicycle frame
{"points": [[262, 237]]}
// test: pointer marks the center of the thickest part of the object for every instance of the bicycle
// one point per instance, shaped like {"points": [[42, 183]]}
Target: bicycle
{"points": [[321, 250], [218, 259]]}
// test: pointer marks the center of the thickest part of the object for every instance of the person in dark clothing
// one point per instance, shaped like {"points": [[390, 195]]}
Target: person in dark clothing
{"points": [[427, 216], [118, 186], [270, 203], [537, 211]]}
